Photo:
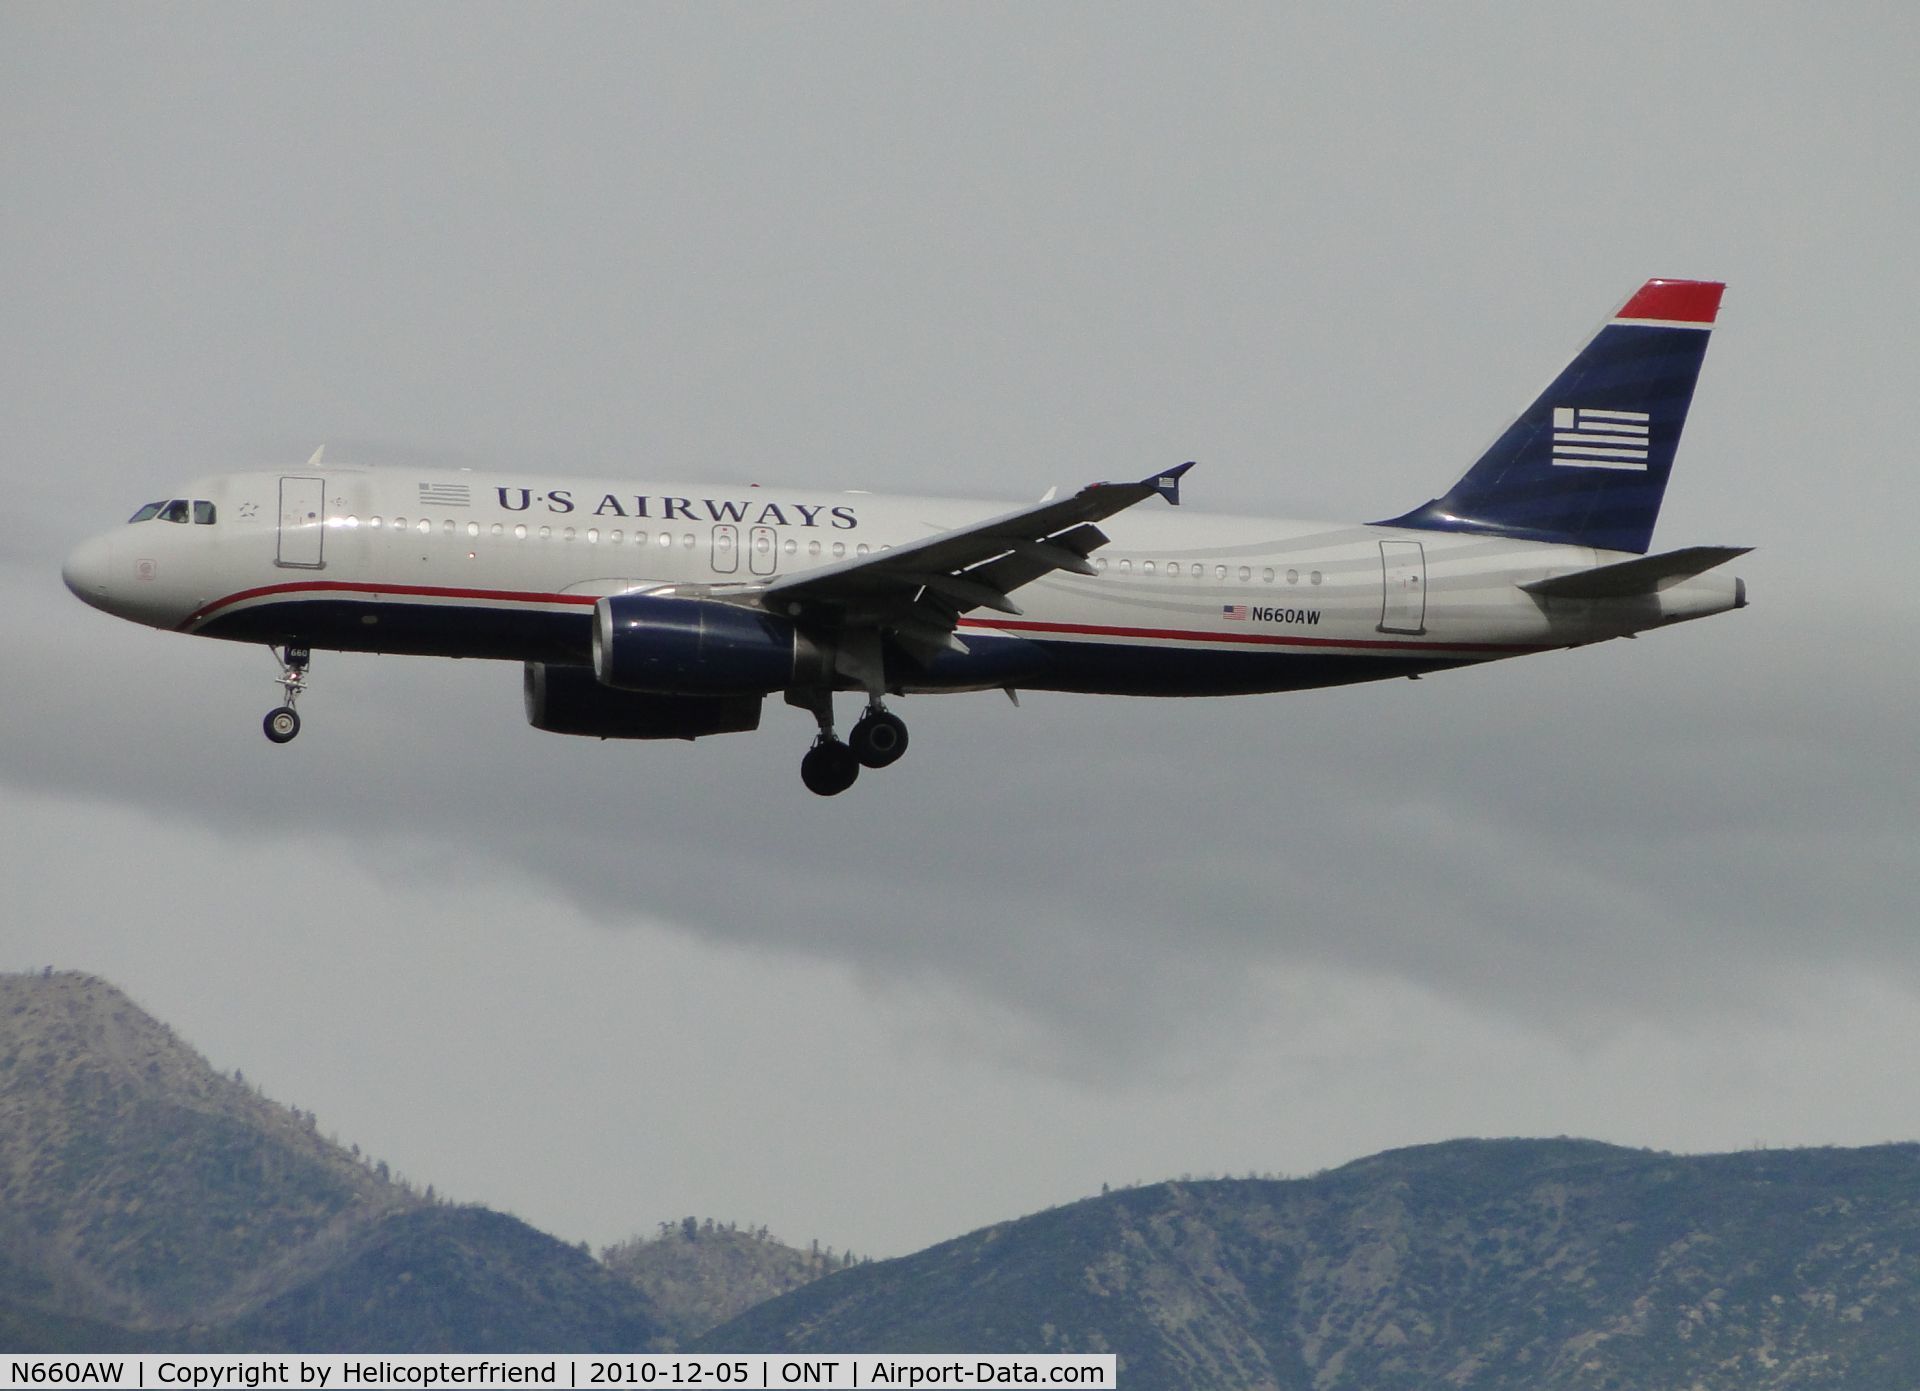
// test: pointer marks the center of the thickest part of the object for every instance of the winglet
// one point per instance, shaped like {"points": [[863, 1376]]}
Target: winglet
{"points": [[1168, 484], [314, 462]]}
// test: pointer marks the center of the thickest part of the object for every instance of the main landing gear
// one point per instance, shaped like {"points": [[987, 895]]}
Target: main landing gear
{"points": [[878, 738], [283, 723], [829, 767]]}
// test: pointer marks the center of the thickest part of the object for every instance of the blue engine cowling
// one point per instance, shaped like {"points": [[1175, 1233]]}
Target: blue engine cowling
{"points": [[568, 700], [673, 646]]}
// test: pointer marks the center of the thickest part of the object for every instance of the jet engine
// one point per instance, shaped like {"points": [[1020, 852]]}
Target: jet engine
{"points": [[673, 646], [569, 700]]}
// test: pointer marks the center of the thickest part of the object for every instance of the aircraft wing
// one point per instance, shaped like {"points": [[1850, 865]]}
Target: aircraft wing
{"points": [[916, 592]]}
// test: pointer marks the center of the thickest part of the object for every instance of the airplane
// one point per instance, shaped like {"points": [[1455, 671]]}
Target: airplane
{"points": [[650, 610]]}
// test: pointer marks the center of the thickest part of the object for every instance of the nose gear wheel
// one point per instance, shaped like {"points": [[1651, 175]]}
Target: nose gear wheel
{"points": [[283, 723]]}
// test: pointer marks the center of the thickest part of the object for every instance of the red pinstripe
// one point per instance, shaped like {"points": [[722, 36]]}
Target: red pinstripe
{"points": [[1012, 625], [503, 596]]}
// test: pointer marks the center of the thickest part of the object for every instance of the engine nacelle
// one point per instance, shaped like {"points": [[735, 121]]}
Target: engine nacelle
{"points": [[671, 646], [568, 700]]}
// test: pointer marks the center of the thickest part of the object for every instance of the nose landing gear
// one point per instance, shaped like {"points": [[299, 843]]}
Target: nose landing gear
{"points": [[283, 723]]}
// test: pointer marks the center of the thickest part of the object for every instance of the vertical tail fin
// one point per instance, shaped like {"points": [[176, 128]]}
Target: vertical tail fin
{"points": [[1587, 462]]}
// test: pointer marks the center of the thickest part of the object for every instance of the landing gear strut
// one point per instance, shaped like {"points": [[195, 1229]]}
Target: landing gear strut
{"points": [[830, 767], [283, 723]]}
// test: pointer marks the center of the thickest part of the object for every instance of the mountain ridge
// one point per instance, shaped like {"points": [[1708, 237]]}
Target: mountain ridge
{"points": [[148, 1202], [132, 1169], [1486, 1263]]}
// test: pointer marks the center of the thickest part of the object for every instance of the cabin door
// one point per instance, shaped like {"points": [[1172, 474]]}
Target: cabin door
{"points": [[303, 523], [1403, 606]]}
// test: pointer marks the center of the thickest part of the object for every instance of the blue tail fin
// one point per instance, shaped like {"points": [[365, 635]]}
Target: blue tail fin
{"points": [[1587, 463]]}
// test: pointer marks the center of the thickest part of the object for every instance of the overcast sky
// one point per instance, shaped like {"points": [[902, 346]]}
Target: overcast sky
{"points": [[1659, 893]]}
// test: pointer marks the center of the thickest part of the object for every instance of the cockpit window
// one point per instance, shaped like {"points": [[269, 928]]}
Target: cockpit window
{"points": [[147, 513], [203, 513], [175, 511]]}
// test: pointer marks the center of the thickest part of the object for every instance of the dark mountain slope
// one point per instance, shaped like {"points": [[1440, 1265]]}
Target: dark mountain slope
{"points": [[148, 1201], [143, 1186], [454, 1279], [1473, 1264]]}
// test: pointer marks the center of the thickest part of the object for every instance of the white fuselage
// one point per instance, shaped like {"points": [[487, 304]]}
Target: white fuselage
{"points": [[465, 564]]}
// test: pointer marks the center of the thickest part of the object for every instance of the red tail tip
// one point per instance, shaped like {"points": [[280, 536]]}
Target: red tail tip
{"points": [[1675, 301]]}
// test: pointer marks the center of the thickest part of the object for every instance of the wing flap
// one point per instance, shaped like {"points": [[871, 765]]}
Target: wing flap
{"points": [[932, 581], [1029, 560]]}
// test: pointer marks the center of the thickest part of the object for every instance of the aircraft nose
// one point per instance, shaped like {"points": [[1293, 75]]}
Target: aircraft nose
{"points": [[87, 568]]}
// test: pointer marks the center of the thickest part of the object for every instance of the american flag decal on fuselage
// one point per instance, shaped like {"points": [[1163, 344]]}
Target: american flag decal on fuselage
{"points": [[1586, 438], [1234, 613], [445, 495]]}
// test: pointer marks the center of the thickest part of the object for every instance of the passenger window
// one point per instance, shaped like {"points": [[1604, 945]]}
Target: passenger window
{"points": [[203, 513], [519, 531], [1246, 572], [1146, 567], [374, 522], [423, 526]]}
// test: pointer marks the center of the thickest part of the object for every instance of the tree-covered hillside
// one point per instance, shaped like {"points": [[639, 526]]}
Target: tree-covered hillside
{"points": [[1497, 1264]]}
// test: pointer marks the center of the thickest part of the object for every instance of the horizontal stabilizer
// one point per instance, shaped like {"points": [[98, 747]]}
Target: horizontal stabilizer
{"points": [[1647, 575]]}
